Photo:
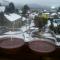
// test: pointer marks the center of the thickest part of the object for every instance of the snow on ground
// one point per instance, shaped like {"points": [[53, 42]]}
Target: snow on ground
{"points": [[14, 34], [58, 36], [24, 28], [27, 37], [28, 26], [22, 35], [47, 35], [49, 23], [12, 17], [32, 23]]}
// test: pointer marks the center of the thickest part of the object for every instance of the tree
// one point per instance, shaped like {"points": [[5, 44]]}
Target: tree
{"points": [[40, 21], [17, 11], [11, 8], [58, 9], [25, 10], [7, 9]]}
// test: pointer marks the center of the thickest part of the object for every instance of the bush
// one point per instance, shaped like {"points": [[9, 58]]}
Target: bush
{"points": [[40, 21]]}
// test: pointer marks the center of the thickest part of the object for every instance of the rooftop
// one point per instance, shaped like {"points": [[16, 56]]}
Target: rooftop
{"points": [[12, 16]]}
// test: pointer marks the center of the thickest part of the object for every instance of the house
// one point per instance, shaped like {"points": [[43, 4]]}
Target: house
{"points": [[58, 14], [15, 20], [32, 15], [20, 11], [2, 8], [12, 16], [55, 22], [46, 15], [53, 14]]}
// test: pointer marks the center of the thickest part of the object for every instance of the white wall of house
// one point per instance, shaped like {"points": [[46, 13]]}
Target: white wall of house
{"points": [[2, 8]]}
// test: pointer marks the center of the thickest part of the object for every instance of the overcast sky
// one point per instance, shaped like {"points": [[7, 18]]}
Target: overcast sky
{"points": [[41, 2]]}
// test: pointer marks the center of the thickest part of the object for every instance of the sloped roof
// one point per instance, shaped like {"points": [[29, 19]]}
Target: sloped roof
{"points": [[53, 14], [12, 16]]}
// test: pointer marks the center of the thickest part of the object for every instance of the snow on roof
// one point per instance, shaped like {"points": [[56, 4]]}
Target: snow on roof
{"points": [[20, 11], [54, 14], [28, 11], [58, 12], [23, 18], [31, 15], [2, 8], [46, 13], [36, 14], [12, 17], [57, 36], [48, 23]]}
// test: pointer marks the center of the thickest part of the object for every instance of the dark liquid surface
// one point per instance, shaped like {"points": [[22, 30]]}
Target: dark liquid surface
{"points": [[14, 43], [41, 46]]}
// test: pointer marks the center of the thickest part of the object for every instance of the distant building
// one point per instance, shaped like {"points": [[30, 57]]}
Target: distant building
{"points": [[32, 15], [53, 9], [55, 22], [20, 11], [2, 8], [46, 15], [58, 14], [54, 15]]}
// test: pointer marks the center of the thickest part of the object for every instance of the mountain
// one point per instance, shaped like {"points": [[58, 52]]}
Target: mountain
{"points": [[4, 3], [34, 5], [18, 6], [37, 6]]}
